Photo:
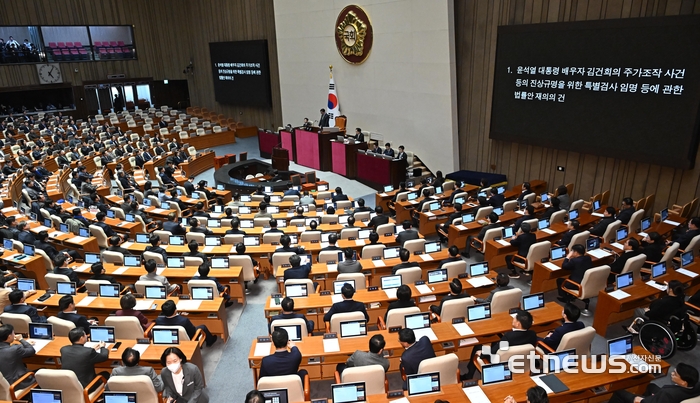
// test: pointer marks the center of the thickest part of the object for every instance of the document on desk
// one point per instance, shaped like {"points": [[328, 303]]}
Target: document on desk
{"points": [[144, 305], [77, 239], [429, 214], [141, 348], [331, 346], [669, 222], [502, 242], [401, 400], [481, 281], [423, 289], [188, 305], [551, 266], [657, 286], [332, 267], [262, 349], [335, 298], [40, 228], [86, 301], [359, 242], [160, 270], [390, 293], [549, 231], [475, 394], [158, 211], [426, 331], [599, 253], [618, 245], [383, 195], [120, 270], [378, 263], [413, 202], [463, 329], [461, 227], [643, 234], [521, 212], [686, 272], [597, 214], [38, 344], [618, 294], [81, 268], [426, 257], [127, 245], [208, 249]]}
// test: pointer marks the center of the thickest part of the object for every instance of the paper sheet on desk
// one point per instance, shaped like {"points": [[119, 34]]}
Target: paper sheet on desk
{"points": [[669, 222], [657, 286], [475, 394], [188, 305], [599, 253], [86, 301], [120, 270], [160, 270], [481, 281], [39, 344], [208, 249], [413, 202], [618, 294], [81, 268], [144, 305], [77, 239], [378, 263], [521, 212], [549, 231], [332, 267], [359, 242], [40, 228], [597, 214], [127, 245], [331, 346], [141, 348], [551, 266], [262, 349], [426, 331], [401, 400], [158, 211], [426, 257], [643, 234], [463, 329], [618, 245], [335, 298], [687, 272], [383, 195], [429, 214], [504, 243], [461, 227], [423, 289], [390, 293]]}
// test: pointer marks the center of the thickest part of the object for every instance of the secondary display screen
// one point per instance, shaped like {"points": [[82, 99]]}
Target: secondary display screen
{"points": [[241, 73], [627, 88]]}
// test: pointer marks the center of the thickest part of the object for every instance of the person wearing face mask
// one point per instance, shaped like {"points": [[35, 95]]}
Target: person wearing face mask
{"points": [[182, 381]]}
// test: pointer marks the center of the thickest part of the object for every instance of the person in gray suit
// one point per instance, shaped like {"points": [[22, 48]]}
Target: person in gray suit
{"points": [[374, 357], [11, 356], [348, 265], [407, 234], [81, 359], [130, 359], [182, 380]]}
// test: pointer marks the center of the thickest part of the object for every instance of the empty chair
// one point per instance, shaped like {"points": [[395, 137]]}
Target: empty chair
{"points": [[447, 365], [19, 321], [535, 254], [61, 327], [455, 308], [13, 392], [454, 269], [141, 384], [373, 376], [113, 257], [415, 245], [155, 256], [578, 204], [52, 279], [67, 382], [503, 301], [579, 339], [296, 391], [579, 239], [410, 275], [125, 327]]}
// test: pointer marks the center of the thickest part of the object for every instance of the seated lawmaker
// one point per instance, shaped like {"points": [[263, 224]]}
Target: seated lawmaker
{"points": [[571, 314], [404, 300], [346, 305], [285, 360], [170, 317], [684, 386], [19, 306], [361, 358], [455, 293], [287, 306], [415, 351]]}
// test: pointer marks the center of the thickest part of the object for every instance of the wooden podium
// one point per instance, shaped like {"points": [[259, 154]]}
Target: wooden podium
{"points": [[280, 159]]}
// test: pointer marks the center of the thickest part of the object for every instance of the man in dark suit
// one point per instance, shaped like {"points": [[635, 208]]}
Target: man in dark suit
{"points": [[67, 311], [685, 386], [493, 220], [81, 359], [402, 156], [332, 240], [98, 273], [608, 218], [154, 247], [631, 249], [114, 246], [235, 224], [388, 151], [454, 256], [571, 314], [523, 241], [170, 317], [19, 306], [576, 262], [297, 271], [195, 227], [12, 355], [346, 305], [173, 225], [574, 228], [404, 255], [524, 191], [529, 216], [285, 241], [24, 235], [520, 335], [626, 210], [404, 300], [414, 351], [445, 227], [325, 119], [189, 185], [693, 231], [285, 360], [379, 219], [60, 263], [455, 293], [287, 305], [339, 195], [407, 234]]}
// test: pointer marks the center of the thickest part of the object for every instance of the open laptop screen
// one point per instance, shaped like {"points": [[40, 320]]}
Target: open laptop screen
{"points": [[620, 346], [109, 290], [46, 396], [338, 285], [26, 284], [624, 280], [65, 288], [102, 333], [202, 293], [389, 282], [119, 397], [353, 328], [687, 258], [155, 291], [478, 269], [437, 276], [533, 301], [296, 290], [42, 331], [478, 312], [417, 320], [423, 383], [558, 253], [495, 373], [293, 331], [658, 269], [165, 336], [561, 360], [348, 392]]}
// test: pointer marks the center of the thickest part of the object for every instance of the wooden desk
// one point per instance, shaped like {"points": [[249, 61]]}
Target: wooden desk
{"points": [[210, 313], [377, 172], [32, 267], [313, 346], [344, 158], [495, 252], [199, 164], [536, 185], [545, 279], [610, 310], [206, 141]]}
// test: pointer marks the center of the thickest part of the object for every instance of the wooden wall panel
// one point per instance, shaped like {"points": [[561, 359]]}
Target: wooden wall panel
{"points": [[476, 24], [168, 33]]}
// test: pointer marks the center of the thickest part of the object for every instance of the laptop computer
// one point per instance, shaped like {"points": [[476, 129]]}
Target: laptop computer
{"points": [[622, 347], [212, 241], [467, 218], [218, 209], [624, 280], [390, 282], [251, 240], [596, 205], [65, 288], [437, 276], [7, 244], [109, 290], [687, 258], [621, 234], [273, 209], [275, 199], [325, 236], [363, 233], [478, 269], [338, 285], [412, 196], [434, 206], [218, 262], [296, 290], [645, 224], [353, 328], [664, 214], [544, 197], [132, 261], [91, 258], [420, 323], [498, 211], [155, 291], [561, 360], [202, 293], [41, 331], [46, 396], [28, 250], [246, 198], [142, 238], [119, 397], [110, 214], [165, 336], [63, 227], [573, 214], [348, 392], [247, 224], [495, 373], [102, 333], [175, 262], [533, 301], [177, 240], [592, 243], [543, 224], [391, 253], [244, 210], [129, 218], [322, 188], [26, 284], [293, 331], [388, 188], [507, 232], [478, 312], [421, 384], [275, 395], [213, 223], [557, 253], [432, 247], [658, 269]]}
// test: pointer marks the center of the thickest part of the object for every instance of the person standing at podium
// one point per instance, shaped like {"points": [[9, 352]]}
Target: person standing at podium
{"points": [[325, 119]]}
